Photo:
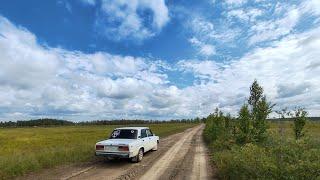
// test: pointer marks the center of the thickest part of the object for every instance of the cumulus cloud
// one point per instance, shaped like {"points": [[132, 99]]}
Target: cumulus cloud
{"points": [[42, 81], [287, 70], [202, 69], [123, 19]]}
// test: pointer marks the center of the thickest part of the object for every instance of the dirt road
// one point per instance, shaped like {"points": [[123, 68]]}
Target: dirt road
{"points": [[180, 156]]}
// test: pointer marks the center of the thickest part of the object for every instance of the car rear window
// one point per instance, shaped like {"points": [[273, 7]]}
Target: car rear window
{"points": [[124, 134]]}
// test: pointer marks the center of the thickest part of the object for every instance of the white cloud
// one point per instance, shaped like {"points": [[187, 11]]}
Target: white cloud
{"points": [[202, 69], [235, 3], [245, 15], [39, 81], [206, 37], [201, 26], [287, 70], [121, 19], [273, 29], [283, 21], [203, 48], [311, 7], [207, 49]]}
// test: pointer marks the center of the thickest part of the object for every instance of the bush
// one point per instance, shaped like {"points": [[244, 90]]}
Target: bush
{"points": [[247, 162], [214, 126], [299, 122], [245, 126], [277, 162]]}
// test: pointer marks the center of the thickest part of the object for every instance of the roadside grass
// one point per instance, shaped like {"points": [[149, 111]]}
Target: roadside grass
{"points": [[312, 129], [280, 157], [25, 150]]}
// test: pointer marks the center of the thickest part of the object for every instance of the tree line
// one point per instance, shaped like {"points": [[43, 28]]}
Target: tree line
{"points": [[57, 122]]}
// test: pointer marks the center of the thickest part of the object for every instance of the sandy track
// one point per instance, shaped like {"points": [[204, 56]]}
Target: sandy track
{"points": [[200, 166], [164, 166], [179, 156], [189, 160]]}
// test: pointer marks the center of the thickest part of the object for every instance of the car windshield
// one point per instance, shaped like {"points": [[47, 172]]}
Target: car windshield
{"points": [[124, 134]]}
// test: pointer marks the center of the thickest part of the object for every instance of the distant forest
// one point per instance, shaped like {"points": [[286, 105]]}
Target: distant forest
{"points": [[56, 122], [291, 119]]}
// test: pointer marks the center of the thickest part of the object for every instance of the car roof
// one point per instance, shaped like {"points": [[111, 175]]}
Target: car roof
{"points": [[137, 128]]}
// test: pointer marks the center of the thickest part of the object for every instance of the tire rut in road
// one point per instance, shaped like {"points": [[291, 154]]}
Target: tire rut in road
{"points": [[193, 165], [181, 168], [200, 168], [175, 153]]}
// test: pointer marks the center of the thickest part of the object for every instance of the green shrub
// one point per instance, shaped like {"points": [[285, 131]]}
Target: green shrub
{"points": [[245, 126], [290, 159], [299, 122], [247, 162], [215, 126]]}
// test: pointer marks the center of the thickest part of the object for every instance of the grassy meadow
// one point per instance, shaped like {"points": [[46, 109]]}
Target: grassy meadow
{"points": [[24, 150], [285, 129]]}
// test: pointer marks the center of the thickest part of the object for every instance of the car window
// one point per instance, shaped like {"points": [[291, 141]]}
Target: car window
{"points": [[149, 133], [124, 134], [143, 133]]}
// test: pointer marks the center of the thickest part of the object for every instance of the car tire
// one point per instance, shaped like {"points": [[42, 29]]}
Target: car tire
{"points": [[138, 157]]}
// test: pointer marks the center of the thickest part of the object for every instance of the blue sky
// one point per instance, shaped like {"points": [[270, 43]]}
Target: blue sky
{"points": [[155, 59]]}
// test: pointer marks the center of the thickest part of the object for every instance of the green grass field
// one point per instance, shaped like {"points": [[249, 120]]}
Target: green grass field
{"points": [[312, 128], [24, 150]]}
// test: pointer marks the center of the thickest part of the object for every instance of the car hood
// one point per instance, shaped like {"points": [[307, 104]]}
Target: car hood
{"points": [[116, 141]]}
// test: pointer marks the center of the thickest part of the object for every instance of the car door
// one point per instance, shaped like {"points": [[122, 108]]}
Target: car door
{"points": [[152, 139], [145, 140]]}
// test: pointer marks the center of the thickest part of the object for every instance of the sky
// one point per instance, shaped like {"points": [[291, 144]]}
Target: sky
{"points": [[155, 59]]}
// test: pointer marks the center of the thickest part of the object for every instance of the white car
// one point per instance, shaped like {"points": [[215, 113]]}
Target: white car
{"points": [[128, 142]]}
